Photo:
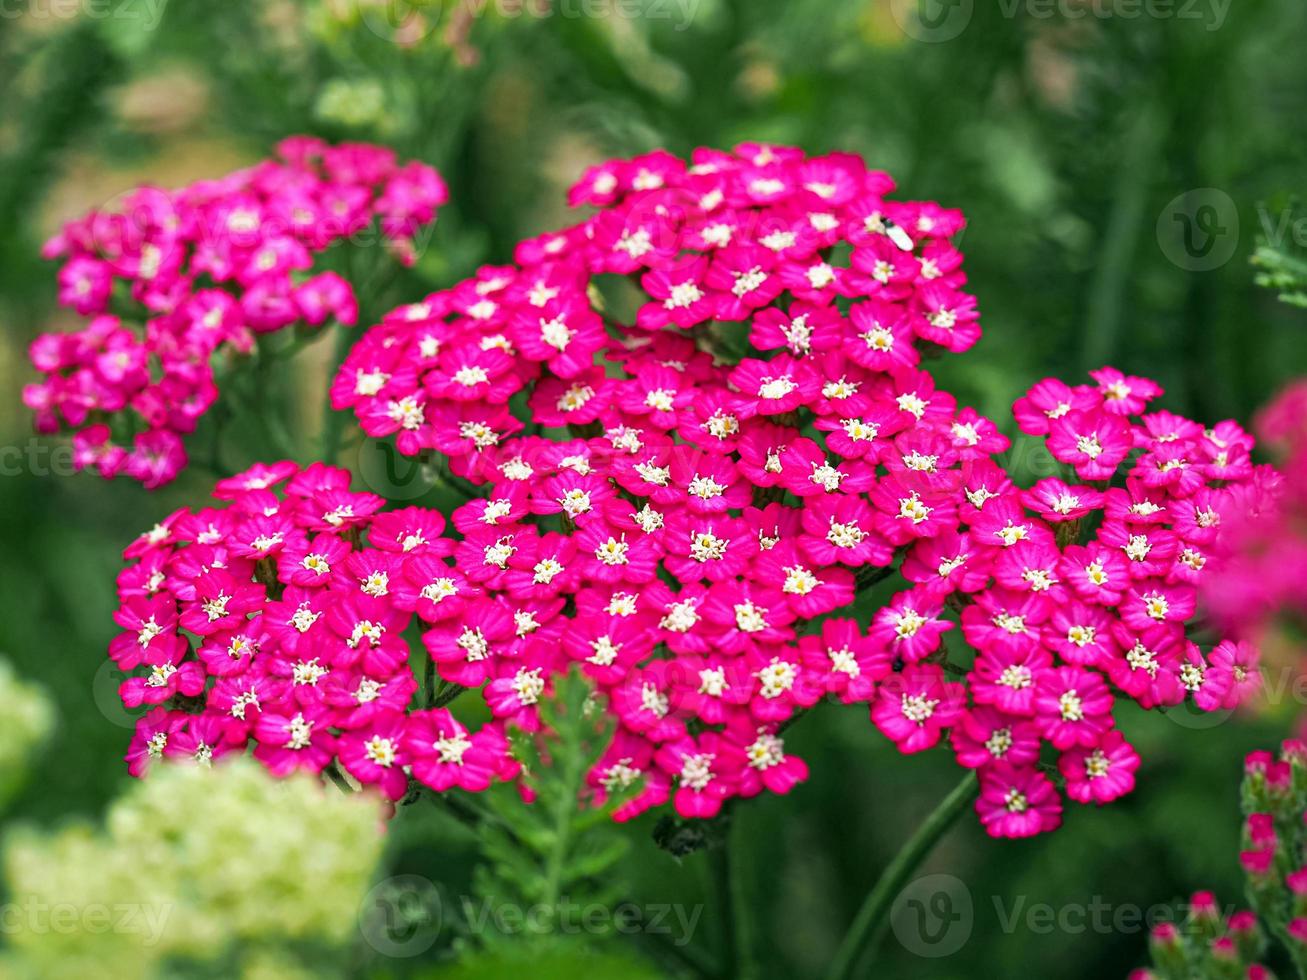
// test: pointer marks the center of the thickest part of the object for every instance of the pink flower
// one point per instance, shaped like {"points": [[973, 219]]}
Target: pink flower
{"points": [[153, 733], [681, 297], [299, 740], [707, 770], [848, 664], [1017, 802], [1073, 707], [776, 386], [1095, 444], [1240, 661], [768, 766], [1055, 501], [443, 754], [914, 706], [984, 736], [1049, 401], [909, 628], [1122, 394], [465, 650], [1008, 678], [375, 755]]}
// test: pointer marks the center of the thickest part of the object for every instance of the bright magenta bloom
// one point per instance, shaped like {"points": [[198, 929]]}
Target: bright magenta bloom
{"points": [[209, 267], [677, 512]]}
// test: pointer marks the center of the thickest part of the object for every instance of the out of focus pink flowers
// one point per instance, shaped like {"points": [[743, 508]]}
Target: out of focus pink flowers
{"points": [[174, 280], [1258, 590]]}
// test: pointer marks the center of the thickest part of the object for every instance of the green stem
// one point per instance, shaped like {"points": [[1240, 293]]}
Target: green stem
{"points": [[333, 422], [732, 903], [873, 918], [571, 767], [679, 960], [1120, 243], [269, 414], [446, 694]]}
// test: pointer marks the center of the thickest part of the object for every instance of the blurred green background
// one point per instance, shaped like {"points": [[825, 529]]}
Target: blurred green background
{"points": [[1117, 163]]}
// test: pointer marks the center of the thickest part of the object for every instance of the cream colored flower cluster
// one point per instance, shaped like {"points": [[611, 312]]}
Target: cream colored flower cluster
{"points": [[223, 865], [28, 719]]}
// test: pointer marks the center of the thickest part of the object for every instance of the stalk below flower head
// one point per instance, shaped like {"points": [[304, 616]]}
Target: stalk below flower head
{"points": [[208, 267]]}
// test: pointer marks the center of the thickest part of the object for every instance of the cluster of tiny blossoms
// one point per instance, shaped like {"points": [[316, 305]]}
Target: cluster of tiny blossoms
{"points": [[29, 719], [180, 874], [207, 268], [1081, 594], [1258, 591], [1207, 943], [1274, 860], [278, 618], [681, 522]]}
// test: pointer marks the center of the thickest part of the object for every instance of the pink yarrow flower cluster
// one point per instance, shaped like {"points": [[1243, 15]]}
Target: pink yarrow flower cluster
{"points": [[1273, 856], [671, 520], [1077, 593], [276, 619], [749, 241], [688, 522], [207, 267], [1257, 591], [687, 527]]}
